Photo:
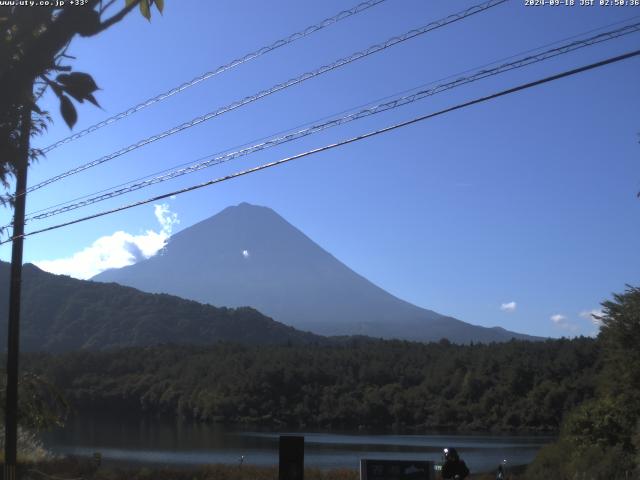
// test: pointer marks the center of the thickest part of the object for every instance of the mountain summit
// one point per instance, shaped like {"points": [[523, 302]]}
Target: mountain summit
{"points": [[248, 255]]}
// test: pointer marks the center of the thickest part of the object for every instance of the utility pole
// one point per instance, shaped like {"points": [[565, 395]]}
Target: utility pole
{"points": [[13, 337]]}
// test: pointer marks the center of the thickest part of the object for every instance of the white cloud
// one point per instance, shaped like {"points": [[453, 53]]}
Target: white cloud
{"points": [[592, 315], [561, 322], [116, 250], [245, 253], [508, 307], [165, 218]]}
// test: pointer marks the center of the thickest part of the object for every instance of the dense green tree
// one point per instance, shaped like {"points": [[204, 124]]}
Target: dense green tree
{"points": [[370, 383], [620, 337], [42, 405], [600, 438]]}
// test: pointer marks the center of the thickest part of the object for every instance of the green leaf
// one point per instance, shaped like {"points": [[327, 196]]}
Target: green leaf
{"points": [[80, 81], [62, 78], [129, 2], [93, 100], [57, 88], [75, 94], [160, 5], [88, 23], [68, 111], [79, 85], [144, 9]]}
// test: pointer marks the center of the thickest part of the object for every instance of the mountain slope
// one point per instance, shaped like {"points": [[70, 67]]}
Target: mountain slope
{"points": [[249, 255], [61, 313]]}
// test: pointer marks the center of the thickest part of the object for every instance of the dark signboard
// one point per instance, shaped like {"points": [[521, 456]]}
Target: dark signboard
{"points": [[396, 470], [291, 465]]}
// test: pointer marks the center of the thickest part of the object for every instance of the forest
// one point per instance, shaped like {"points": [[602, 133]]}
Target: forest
{"points": [[585, 390], [61, 313], [513, 386]]}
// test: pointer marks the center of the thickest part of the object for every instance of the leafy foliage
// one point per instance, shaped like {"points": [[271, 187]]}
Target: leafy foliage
{"points": [[145, 6], [42, 406], [601, 438], [514, 386], [620, 336], [30, 447], [33, 46]]}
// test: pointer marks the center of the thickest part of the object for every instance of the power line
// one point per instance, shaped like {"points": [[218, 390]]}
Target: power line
{"points": [[306, 124], [340, 143], [223, 68], [379, 99], [276, 88], [397, 102]]}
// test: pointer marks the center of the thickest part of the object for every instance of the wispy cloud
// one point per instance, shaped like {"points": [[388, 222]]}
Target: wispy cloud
{"points": [[165, 217], [560, 321], [116, 250], [509, 307]]}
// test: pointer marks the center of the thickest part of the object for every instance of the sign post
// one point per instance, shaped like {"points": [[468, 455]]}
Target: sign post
{"points": [[291, 466]]}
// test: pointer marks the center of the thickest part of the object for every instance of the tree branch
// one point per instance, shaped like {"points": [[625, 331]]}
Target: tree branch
{"points": [[38, 57], [63, 53], [106, 7], [116, 18]]}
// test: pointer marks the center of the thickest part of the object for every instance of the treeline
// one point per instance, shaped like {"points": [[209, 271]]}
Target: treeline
{"points": [[600, 439], [514, 386]]}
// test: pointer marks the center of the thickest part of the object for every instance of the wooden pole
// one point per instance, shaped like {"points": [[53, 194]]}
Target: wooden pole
{"points": [[13, 338]]}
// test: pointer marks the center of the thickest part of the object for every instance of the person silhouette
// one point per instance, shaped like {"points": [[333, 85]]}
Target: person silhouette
{"points": [[453, 467]]}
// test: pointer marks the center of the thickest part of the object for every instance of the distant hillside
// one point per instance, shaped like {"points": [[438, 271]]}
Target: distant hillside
{"points": [[250, 255], [60, 313]]}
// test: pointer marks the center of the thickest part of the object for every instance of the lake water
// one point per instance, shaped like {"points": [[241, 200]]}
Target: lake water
{"points": [[183, 443]]}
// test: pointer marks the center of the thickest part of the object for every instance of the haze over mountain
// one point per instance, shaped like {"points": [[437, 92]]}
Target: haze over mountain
{"points": [[60, 313], [249, 255]]}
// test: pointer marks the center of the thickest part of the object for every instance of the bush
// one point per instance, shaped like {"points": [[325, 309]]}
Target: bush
{"points": [[550, 462], [30, 448]]}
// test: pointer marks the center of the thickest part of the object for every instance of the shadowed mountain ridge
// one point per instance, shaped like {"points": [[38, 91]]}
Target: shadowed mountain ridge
{"points": [[60, 313]]}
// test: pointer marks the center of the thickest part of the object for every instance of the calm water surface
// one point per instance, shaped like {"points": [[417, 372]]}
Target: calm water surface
{"points": [[165, 442]]}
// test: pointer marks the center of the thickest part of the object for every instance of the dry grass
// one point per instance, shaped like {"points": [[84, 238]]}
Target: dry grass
{"points": [[74, 468], [77, 469]]}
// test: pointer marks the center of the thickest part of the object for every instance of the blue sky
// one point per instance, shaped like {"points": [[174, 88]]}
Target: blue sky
{"points": [[520, 212]]}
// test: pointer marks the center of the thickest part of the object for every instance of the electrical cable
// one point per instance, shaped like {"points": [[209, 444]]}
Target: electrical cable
{"points": [[306, 124], [340, 143], [208, 161], [276, 88], [223, 68]]}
